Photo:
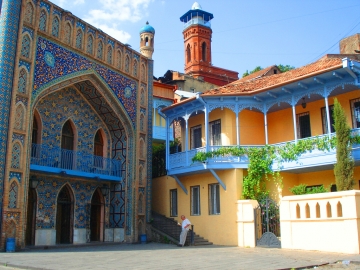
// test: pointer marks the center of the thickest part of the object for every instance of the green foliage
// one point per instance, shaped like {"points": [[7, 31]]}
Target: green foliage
{"points": [[159, 157], [252, 71], [344, 167], [303, 189], [285, 68]]}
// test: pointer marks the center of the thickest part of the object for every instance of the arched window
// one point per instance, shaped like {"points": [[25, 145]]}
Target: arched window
{"points": [[127, 64], [143, 72], [188, 53], [109, 55], [35, 138], [135, 69], [42, 20], [55, 27], [100, 50], [29, 13], [67, 34], [13, 194], [25, 46], [19, 117], [79, 39], [15, 156], [142, 124], [142, 97], [203, 51], [118, 59], [22, 81], [98, 149], [90, 45], [67, 146]]}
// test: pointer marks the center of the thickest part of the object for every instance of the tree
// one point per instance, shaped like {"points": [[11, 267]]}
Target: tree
{"points": [[284, 68], [344, 167]]}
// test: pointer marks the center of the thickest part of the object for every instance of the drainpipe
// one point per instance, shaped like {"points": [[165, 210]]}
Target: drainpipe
{"points": [[206, 121]]}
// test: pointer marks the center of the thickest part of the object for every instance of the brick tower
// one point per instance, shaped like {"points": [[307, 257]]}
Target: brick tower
{"points": [[197, 46]]}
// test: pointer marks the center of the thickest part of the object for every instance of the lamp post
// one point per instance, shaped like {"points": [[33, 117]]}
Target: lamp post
{"points": [[34, 182], [104, 190]]}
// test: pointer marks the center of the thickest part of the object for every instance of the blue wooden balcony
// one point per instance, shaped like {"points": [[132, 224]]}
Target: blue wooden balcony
{"points": [[159, 133], [181, 163], [73, 163]]}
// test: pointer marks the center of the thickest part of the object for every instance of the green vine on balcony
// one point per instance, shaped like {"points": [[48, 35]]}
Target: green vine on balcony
{"points": [[261, 160]]}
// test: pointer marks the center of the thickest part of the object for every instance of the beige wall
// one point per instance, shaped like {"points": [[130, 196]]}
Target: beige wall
{"points": [[219, 229]]}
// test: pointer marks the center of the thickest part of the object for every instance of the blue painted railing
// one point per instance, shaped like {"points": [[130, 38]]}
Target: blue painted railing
{"points": [[55, 157]]}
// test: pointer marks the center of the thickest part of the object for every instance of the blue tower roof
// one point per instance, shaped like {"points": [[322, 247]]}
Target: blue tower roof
{"points": [[147, 29], [196, 11]]}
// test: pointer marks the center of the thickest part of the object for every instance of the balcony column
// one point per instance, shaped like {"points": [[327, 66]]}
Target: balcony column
{"points": [[167, 143], [294, 118], [206, 129], [187, 139], [327, 112], [237, 129], [266, 129]]}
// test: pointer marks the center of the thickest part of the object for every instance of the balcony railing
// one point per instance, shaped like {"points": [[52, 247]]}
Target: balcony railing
{"points": [[197, 20], [159, 133], [55, 157], [180, 162]]}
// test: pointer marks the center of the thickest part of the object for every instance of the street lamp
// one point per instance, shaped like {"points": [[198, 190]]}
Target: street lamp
{"points": [[34, 182]]}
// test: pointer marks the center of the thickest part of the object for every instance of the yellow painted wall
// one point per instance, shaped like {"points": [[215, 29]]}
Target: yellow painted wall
{"points": [[228, 126], [208, 226], [251, 125]]}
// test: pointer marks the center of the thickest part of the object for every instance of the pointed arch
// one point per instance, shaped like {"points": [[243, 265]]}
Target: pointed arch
{"points": [[26, 46], [142, 122], [188, 53], [79, 39], [55, 28], [19, 116], [67, 145], [127, 64], [100, 50], [118, 59], [90, 45], [143, 72], [339, 209], [97, 216], [13, 194], [203, 51], [99, 148], [135, 68], [67, 33], [328, 210], [65, 215], [22, 82], [307, 211], [29, 13], [36, 135], [142, 97], [43, 20], [109, 55], [16, 155]]}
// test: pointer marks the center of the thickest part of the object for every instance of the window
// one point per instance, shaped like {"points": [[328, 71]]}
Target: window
{"points": [[67, 145], [195, 200], [203, 51], [173, 203], [98, 150], [214, 199], [55, 27], [42, 20], [195, 137], [324, 119], [188, 53], [90, 45], [67, 34], [34, 138], [79, 39], [303, 125], [215, 132], [355, 112]]}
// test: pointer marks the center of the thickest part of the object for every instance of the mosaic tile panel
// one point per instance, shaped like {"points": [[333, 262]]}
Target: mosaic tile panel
{"points": [[55, 62], [9, 27], [25, 64], [55, 27], [29, 13], [117, 206], [80, 25], [43, 20], [13, 194], [19, 137], [15, 175]]}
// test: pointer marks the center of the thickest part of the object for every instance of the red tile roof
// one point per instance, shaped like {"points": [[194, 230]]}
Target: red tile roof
{"points": [[268, 82], [254, 75]]}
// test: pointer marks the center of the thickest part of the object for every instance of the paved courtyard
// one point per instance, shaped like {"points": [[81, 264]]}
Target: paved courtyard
{"points": [[164, 256]]}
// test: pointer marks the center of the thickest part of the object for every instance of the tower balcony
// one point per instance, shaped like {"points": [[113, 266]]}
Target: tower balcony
{"points": [[73, 163], [197, 21]]}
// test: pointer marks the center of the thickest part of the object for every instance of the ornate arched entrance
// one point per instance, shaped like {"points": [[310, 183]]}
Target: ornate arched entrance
{"points": [[64, 216], [97, 217]]}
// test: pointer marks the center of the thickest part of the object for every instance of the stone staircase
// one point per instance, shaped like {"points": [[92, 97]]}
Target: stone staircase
{"points": [[169, 228]]}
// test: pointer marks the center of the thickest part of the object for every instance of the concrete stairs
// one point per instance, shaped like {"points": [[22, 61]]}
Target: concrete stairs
{"points": [[168, 227]]}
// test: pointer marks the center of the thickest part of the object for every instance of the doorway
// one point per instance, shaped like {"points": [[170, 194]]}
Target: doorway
{"points": [[64, 216], [97, 217], [31, 218]]}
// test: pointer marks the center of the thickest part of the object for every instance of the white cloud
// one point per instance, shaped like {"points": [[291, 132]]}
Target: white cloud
{"points": [[79, 2], [113, 31]]}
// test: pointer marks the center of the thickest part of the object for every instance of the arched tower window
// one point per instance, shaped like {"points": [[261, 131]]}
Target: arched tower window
{"points": [[42, 20], [90, 45], [188, 53], [146, 41], [55, 27], [67, 35], [79, 39], [22, 81], [25, 46], [29, 13], [13, 194], [100, 50], [67, 146], [109, 55], [203, 51], [98, 149]]}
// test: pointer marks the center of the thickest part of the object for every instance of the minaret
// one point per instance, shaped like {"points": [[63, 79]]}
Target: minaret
{"points": [[147, 34], [197, 38]]}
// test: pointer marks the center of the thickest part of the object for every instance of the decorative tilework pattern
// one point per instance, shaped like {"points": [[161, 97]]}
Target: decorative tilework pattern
{"points": [[57, 12], [15, 175], [135, 68], [70, 19], [22, 81], [90, 30], [67, 34], [29, 13], [55, 27], [45, 5], [24, 100], [43, 20], [25, 64], [15, 156], [80, 25], [90, 45], [25, 46], [100, 50], [100, 36], [18, 137], [79, 39], [111, 42], [9, 27], [29, 31], [127, 64], [109, 55], [19, 117], [118, 59], [137, 57], [13, 195]]}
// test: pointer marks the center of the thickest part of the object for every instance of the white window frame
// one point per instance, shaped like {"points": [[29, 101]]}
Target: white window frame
{"points": [[214, 199], [195, 201], [192, 137], [213, 135]]}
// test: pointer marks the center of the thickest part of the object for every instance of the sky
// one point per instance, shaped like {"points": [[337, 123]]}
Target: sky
{"points": [[245, 34]]}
